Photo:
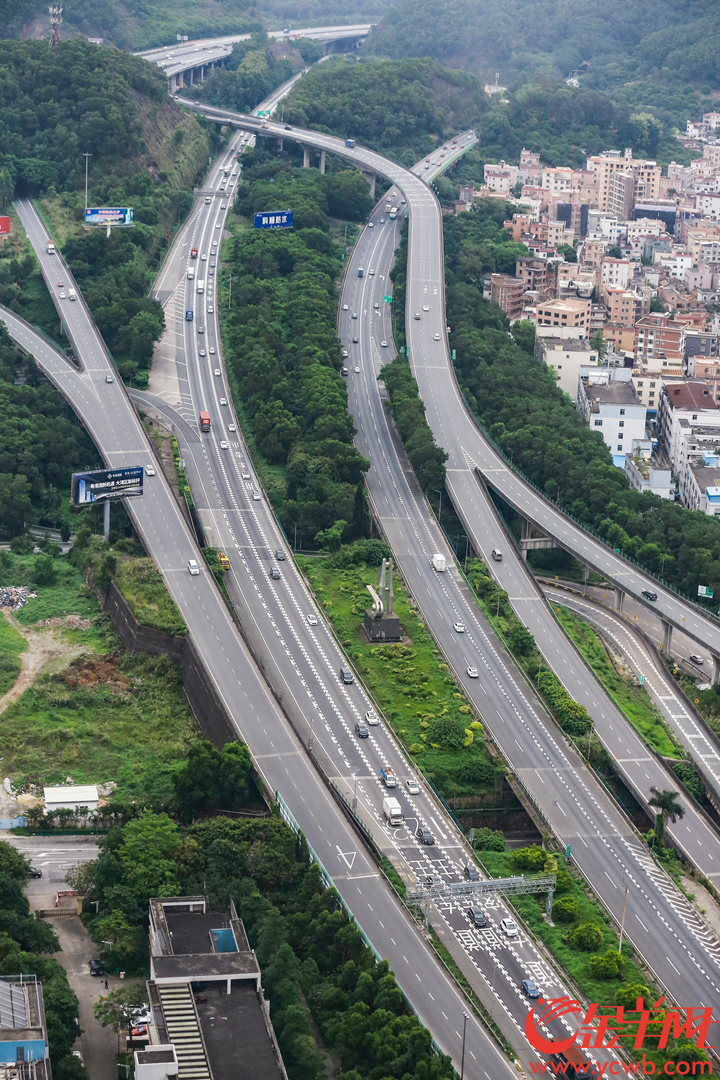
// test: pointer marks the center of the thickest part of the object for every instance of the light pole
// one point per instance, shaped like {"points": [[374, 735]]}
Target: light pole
{"points": [[86, 156], [622, 924], [230, 291], [354, 805], [462, 1058]]}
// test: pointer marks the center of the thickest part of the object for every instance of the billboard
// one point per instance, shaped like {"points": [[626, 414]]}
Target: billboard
{"points": [[4, 226], [89, 487], [704, 590], [274, 219], [109, 215]]}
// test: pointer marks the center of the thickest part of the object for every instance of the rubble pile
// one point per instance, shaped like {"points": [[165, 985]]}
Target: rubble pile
{"points": [[15, 596]]}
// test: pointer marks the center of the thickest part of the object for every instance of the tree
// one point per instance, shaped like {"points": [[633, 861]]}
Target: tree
{"points": [[568, 253], [122, 1007], [667, 808], [628, 995], [614, 252], [12, 862], [331, 537], [524, 333], [447, 732], [117, 938], [212, 779], [361, 516], [82, 877], [600, 345]]}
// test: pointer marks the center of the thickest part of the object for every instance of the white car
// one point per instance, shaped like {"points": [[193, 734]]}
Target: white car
{"points": [[345, 354], [223, 401], [371, 718], [223, 206], [211, 351], [472, 673], [425, 307], [62, 295], [412, 786], [256, 496], [109, 379], [356, 370], [509, 928], [312, 619], [203, 258], [218, 225], [382, 220], [231, 427], [345, 307], [202, 352], [223, 445], [245, 475], [210, 309], [383, 344], [217, 370], [371, 273], [459, 627], [149, 470], [436, 337], [193, 567]]}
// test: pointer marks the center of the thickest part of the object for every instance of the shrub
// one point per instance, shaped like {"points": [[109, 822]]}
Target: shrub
{"points": [[606, 967], [627, 995], [447, 732], [489, 840], [564, 882], [565, 909], [573, 718], [530, 858], [416, 748], [586, 937], [479, 771]]}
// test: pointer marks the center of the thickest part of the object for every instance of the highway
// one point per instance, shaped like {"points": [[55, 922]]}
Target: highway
{"points": [[278, 754], [222, 480]]}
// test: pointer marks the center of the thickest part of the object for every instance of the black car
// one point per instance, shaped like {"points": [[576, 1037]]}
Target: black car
{"points": [[649, 595], [34, 872], [476, 915], [280, 555], [275, 573], [424, 835], [471, 873], [361, 731], [95, 967], [355, 340]]}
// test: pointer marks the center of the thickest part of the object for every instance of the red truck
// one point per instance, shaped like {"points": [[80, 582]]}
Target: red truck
{"points": [[193, 253], [204, 421]]}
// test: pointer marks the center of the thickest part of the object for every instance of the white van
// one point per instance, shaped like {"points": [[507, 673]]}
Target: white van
{"points": [[72, 295]]}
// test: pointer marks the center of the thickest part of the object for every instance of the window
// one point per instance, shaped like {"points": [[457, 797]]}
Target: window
{"points": [[622, 423], [598, 423], [619, 447], [652, 383], [620, 434], [641, 383], [622, 412], [694, 416]]}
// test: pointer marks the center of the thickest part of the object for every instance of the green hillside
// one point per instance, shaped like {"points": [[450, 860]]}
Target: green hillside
{"points": [[635, 53], [133, 24]]}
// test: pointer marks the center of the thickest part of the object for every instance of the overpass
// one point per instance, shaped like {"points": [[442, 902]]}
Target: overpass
{"points": [[189, 62]]}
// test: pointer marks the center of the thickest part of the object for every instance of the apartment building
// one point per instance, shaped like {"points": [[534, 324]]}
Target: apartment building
{"points": [[646, 176], [567, 357], [557, 180], [657, 335], [537, 275], [559, 234], [508, 292], [500, 178], [643, 476], [615, 273], [622, 306], [610, 407], [676, 264], [564, 315], [684, 405], [622, 338]]}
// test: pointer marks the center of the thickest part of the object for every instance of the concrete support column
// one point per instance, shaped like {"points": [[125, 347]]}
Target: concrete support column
{"points": [[173, 84], [306, 158], [525, 531], [619, 598], [322, 161], [201, 70], [181, 78], [280, 144], [716, 670], [667, 637], [106, 521], [371, 178], [586, 571]]}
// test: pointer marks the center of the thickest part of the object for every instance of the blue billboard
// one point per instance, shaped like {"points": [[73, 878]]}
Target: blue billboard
{"points": [[103, 484], [109, 215], [274, 219]]}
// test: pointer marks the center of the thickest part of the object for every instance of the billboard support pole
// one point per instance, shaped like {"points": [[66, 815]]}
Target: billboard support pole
{"points": [[86, 156], [106, 521]]}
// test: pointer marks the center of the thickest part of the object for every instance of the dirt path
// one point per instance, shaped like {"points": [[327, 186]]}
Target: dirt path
{"points": [[46, 652]]}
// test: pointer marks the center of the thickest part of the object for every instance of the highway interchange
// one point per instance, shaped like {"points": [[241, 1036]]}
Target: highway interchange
{"points": [[601, 837]]}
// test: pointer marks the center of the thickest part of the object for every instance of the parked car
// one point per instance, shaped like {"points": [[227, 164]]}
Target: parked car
{"points": [[96, 967]]}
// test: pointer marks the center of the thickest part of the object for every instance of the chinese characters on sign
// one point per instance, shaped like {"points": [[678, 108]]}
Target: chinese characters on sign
{"points": [[278, 219]]}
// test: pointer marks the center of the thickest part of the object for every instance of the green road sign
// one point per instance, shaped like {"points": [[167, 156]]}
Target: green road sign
{"points": [[388, 299], [641, 680], [453, 354], [567, 851]]}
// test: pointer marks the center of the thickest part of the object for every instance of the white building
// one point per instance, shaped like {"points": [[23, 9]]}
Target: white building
{"points": [[677, 264], [615, 273], [501, 177], [607, 400], [645, 477], [566, 356], [71, 798]]}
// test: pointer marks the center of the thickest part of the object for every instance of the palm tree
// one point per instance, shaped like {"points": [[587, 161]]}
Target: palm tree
{"points": [[666, 806]]}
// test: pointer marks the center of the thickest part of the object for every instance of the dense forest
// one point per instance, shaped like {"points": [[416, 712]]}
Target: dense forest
{"points": [[519, 403], [56, 105], [281, 343], [610, 44], [131, 24], [41, 443]]}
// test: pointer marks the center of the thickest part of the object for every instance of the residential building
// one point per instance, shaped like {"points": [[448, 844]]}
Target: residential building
{"points": [[622, 338], [559, 234], [557, 180], [530, 169], [609, 405], [615, 273], [210, 1019], [501, 177], [519, 226], [622, 306], [656, 335], [684, 405], [537, 274], [700, 488], [594, 251], [646, 175], [508, 292], [566, 356], [677, 264], [709, 205], [621, 194], [699, 346], [644, 476], [24, 1053], [565, 314]]}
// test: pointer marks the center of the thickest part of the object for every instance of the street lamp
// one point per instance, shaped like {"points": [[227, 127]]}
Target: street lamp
{"points": [[354, 805], [86, 156], [462, 1059]]}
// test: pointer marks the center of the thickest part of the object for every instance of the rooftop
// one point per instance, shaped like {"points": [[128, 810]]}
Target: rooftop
{"points": [[80, 794], [235, 1033], [613, 393], [690, 395], [569, 344]]}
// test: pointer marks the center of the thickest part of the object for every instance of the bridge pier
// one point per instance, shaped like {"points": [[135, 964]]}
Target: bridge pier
{"points": [[281, 143], [306, 158], [322, 161], [173, 84], [619, 598], [715, 670], [586, 571], [371, 178], [667, 637], [192, 76], [525, 533], [181, 79]]}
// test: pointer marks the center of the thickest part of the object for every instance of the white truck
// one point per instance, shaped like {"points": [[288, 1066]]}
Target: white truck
{"points": [[392, 811], [439, 563], [190, 273], [50, 248], [201, 285], [72, 295]]}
